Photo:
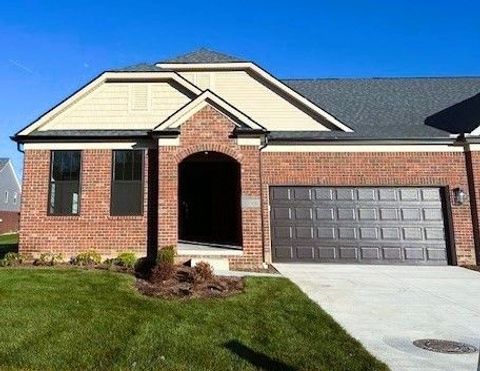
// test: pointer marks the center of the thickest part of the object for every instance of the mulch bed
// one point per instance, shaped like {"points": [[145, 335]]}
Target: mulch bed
{"points": [[473, 267], [270, 269], [180, 281]]}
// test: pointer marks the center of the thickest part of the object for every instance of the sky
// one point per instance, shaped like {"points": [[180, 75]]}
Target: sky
{"points": [[48, 49]]}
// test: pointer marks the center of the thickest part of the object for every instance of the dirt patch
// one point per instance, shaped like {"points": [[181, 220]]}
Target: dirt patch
{"points": [[472, 267], [270, 269], [170, 282]]}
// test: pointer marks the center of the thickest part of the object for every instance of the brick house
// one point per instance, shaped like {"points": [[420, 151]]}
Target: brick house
{"points": [[213, 154], [10, 196]]}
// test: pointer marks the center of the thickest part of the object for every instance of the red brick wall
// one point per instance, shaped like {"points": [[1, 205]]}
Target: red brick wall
{"points": [[473, 168], [94, 228], [374, 169], [209, 130], [9, 221]]}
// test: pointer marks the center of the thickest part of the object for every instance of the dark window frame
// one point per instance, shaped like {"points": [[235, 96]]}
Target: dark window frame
{"points": [[141, 181], [50, 177]]}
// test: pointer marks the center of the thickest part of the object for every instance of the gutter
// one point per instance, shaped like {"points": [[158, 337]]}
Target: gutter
{"points": [[347, 141]]}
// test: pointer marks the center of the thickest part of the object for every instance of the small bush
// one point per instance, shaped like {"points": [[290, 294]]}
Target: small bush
{"points": [[166, 255], [162, 272], [48, 258], [124, 259], [90, 257], [203, 271], [12, 259]]}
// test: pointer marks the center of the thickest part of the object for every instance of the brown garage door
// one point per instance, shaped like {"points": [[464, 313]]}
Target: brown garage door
{"points": [[358, 225]]}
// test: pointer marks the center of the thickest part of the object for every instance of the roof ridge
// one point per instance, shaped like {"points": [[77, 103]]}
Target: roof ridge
{"points": [[203, 55], [380, 78]]}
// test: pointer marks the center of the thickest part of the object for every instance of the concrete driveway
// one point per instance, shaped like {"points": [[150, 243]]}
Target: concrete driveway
{"points": [[387, 307]]}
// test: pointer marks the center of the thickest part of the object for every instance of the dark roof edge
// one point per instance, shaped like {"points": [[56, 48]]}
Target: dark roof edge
{"points": [[75, 138], [337, 141]]}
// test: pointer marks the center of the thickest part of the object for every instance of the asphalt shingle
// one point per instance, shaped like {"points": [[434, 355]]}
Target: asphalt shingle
{"points": [[398, 107], [203, 55]]}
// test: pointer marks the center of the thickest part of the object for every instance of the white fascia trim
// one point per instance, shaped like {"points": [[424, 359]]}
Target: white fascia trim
{"points": [[264, 74], [110, 77], [329, 148], [204, 99], [84, 145], [473, 147]]}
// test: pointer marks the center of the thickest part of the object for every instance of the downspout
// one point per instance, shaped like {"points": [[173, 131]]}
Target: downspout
{"points": [[20, 148], [262, 223], [473, 196]]}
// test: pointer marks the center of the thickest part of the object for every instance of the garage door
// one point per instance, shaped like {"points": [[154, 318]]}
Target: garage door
{"points": [[358, 225]]}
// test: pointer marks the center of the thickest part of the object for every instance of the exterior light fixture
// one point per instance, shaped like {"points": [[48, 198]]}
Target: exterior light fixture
{"points": [[459, 196]]}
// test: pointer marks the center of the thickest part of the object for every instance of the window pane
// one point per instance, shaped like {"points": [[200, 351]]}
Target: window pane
{"points": [[65, 183], [128, 169], [119, 166], [127, 198], [137, 165], [127, 185]]}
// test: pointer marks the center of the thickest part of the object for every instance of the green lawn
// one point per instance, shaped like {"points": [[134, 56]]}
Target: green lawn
{"points": [[8, 242], [78, 319], [9, 239]]}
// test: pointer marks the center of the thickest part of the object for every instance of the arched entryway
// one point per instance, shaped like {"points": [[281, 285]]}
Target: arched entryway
{"points": [[209, 198]]}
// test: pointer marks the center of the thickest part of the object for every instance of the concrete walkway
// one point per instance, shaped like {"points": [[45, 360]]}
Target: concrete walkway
{"points": [[387, 307]]}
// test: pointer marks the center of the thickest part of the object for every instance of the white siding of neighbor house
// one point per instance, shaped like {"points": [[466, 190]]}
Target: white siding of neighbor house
{"points": [[120, 105], [254, 99]]}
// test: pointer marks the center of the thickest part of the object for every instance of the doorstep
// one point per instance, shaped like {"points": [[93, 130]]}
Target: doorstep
{"points": [[198, 250]]}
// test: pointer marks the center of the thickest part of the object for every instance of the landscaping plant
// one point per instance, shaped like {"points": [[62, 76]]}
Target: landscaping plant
{"points": [[90, 257], [167, 254], [12, 259], [48, 258]]}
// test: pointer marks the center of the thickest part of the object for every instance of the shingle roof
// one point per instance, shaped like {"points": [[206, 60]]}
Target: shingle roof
{"points": [[398, 107], [141, 67], [3, 162], [203, 55]]}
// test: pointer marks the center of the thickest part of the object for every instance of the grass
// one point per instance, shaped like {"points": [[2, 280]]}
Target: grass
{"points": [[8, 243], [9, 239], [79, 319]]}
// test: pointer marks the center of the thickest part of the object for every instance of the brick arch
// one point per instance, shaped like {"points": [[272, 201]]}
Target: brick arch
{"points": [[211, 147]]}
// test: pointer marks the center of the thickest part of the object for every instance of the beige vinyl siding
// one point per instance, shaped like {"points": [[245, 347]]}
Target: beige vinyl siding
{"points": [[121, 105], [255, 100]]}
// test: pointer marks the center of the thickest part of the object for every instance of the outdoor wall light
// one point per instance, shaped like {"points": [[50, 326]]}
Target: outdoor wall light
{"points": [[459, 196]]}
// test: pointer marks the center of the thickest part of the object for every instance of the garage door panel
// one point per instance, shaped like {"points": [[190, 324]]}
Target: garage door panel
{"points": [[366, 225], [370, 253]]}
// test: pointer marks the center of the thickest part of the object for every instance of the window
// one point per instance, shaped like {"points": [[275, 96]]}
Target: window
{"points": [[127, 183], [64, 183], [15, 198], [6, 197]]}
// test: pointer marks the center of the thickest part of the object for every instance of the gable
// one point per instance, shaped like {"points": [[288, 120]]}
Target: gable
{"points": [[108, 93], [120, 105], [208, 98], [256, 99]]}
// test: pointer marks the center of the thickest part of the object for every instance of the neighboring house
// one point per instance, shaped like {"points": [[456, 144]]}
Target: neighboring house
{"points": [[10, 197], [214, 154]]}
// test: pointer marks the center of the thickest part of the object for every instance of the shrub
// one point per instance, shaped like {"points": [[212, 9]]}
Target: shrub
{"points": [[203, 271], [12, 259], [162, 272], [90, 257], [167, 255], [48, 258], [124, 259]]}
